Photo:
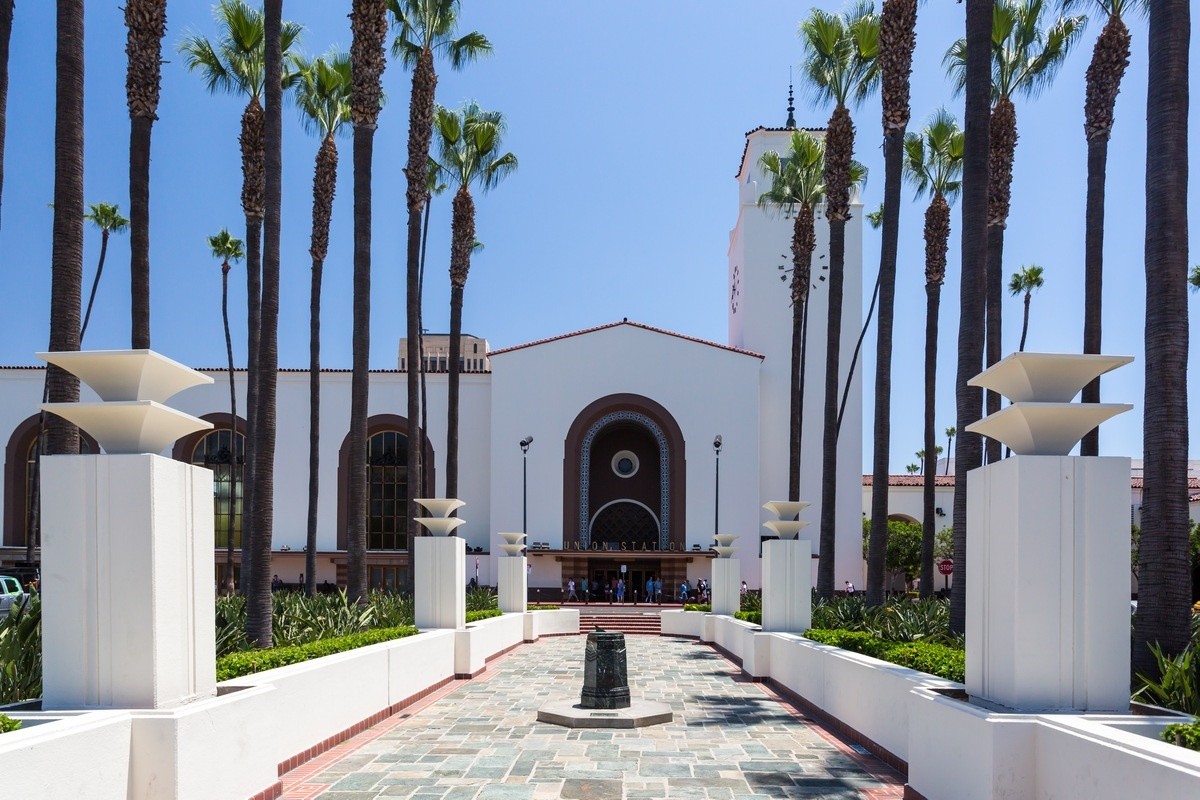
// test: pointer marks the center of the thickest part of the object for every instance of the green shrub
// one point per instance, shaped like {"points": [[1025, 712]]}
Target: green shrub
{"points": [[1184, 734], [481, 598], [935, 659], [235, 665], [1179, 685], [899, 620], [749, 616], [7, 723], [21, 652], [543, 608], [752, 601], [697, 607], [475, 616]]}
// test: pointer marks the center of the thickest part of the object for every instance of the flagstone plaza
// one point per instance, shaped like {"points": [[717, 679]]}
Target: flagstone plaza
{"points": [[731, 738]]}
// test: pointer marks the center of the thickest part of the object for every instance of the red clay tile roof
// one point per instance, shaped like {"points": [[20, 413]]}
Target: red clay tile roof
{"points": [[1139, 482], [1135, 482], [633, 324], [765, 128]]}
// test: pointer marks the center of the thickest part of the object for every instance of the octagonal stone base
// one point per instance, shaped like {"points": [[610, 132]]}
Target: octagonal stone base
{"points": [[639, 714]]}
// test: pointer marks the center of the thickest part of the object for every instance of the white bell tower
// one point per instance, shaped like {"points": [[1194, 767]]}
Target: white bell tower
{"points": [[760, 319]]}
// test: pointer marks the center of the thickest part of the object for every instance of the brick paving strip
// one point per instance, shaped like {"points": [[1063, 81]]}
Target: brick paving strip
{"points": [[480, 740]]}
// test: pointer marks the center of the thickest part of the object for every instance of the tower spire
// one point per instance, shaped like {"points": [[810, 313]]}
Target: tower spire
{"points": [[791, 107]]}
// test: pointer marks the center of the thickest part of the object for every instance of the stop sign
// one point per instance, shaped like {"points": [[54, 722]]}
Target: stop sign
{"points": [[946, 567]]}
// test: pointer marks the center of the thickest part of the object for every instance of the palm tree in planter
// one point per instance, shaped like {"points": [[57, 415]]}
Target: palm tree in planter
{"points": [[107, 217], [933, 165], [469, 143], [226, 248], [797, 187], [323, 97], [1026, 56], [425, 27], [1025, 282], [235, 63], [146, 21], [1110, 57], [839, 52]]}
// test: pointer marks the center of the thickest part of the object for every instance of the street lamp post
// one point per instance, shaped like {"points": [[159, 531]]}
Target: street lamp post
{"points": [[528, 440], [717, 486]]}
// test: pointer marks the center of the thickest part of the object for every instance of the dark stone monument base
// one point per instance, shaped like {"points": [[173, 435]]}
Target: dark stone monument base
{"points": [[639, 714], [608, 698], [605, 681]]}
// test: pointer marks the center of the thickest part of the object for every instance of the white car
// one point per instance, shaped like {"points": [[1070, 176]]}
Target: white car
{"points": [[11, 594]]}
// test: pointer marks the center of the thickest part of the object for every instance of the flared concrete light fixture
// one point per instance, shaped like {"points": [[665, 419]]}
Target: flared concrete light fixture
{"points": [[512, 543], [441, 526], [786, 509], [440, 506], [1045, 377]]}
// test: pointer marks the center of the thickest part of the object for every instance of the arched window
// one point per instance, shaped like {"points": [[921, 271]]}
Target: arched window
{"points": [[224, 452], [20, 479], [387, 491]]}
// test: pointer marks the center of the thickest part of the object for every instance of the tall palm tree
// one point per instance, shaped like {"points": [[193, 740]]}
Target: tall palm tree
{"points": [[146, 21], [858, 178], [323, 97], [977, 85], [797, 186], [839, 54], [259, 617], [1164, 590], [234, 63], [1110, 57], [933, 165], [1194, 277], [369, 26], [107, 217], [469, 144], [1026, 56], [920, 454], [1024, 281], [226, 248], [425, 27], [6, 19], [66, 259], [433, 188], [950, 434], [912, 468], [897, 39]]}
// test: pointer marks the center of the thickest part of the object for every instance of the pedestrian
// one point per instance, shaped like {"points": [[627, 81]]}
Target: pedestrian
{"points": [[571, 590], [745, 588], [849, 589], [621, 590], [683, 591], [583, 588], [650, 589]]}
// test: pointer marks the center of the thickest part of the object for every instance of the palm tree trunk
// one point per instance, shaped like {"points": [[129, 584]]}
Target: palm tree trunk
{"points": [[462, 240], [233, 465], [259, 603], [968, 400], [804, 242], [1025, 325], [893, 158], [421, 310], [949, 446], [828, 537], [1164, 585], [66, 260], [797, 403], [1093, 279], [933, 295], [994, 282], [356, 577], [253, 187], [862, 335], [95, 284], [6, 18], [1002, 144]]}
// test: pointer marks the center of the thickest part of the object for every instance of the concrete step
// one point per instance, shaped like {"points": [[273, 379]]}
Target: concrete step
{"points": [[648, 624]]}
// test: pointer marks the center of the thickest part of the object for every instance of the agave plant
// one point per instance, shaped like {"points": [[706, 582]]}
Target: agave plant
{"points": [[21, 652]]}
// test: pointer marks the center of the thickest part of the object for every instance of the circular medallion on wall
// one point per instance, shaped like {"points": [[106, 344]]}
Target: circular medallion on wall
{"points": [[625, 464]]}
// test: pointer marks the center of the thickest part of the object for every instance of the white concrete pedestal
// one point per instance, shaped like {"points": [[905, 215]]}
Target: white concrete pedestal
{"points": [[127, 582], [787, 586], [726, 586], [512, 580], [439, 597], [1048, 583]]}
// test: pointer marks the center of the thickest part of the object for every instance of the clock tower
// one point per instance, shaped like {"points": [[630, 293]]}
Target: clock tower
{"points": [[760, 319]]}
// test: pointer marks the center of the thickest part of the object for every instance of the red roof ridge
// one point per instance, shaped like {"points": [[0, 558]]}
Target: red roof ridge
{"points": [[641, 325], [746, 149]]}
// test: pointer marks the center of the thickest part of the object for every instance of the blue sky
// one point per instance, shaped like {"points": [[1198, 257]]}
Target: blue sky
{"points": [[628, 119]]}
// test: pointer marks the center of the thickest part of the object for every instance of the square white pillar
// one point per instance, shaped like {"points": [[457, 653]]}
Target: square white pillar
{"points": [[1048, 583], [128, 618], [512, 581], [787, 585], [440, 596], [726, 586]]}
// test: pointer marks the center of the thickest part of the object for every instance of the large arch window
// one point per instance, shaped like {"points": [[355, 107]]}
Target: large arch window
{"points": [[20, 479], [224, 452], [387, 491]]}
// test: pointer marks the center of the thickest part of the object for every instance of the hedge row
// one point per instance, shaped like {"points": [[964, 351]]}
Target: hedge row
{"points": [[7, 723], [934, 659], [1184, 734], [749, 616], [235, 665], [475, 616]]}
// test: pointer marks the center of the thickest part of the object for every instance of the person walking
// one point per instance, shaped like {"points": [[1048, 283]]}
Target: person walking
{"points": [[621, 590], [571, 590], [583, 588]]}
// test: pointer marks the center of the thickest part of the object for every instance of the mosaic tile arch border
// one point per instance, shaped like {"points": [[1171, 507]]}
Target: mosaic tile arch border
{"points": [[664, 471]]}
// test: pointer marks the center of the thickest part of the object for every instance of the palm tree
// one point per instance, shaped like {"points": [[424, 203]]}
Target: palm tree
{"points": [[796, 186], [1025, 60], [433, 188], [6, 18], [1110, 57], [146, 21], [977, 84], [950, 434], [839, 64], [933, 165], [469, 142], [426, 27], [323, 97], [912, 468], [1025, 281], [107, 217], [226, 248], [920, 454], [1164, 585], [235, 63], [897, 39], [368, 23], [66, 260], [1194, 277]]}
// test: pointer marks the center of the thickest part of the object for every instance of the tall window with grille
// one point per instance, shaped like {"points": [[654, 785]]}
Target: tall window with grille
{"points": [[217, 452], [387, 491]]}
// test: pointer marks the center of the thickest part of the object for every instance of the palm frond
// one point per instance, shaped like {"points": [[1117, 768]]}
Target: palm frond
{"points": [[467, 49]]}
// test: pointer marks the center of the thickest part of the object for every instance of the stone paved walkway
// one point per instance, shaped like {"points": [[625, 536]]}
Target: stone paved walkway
{"points": [[479, 739]]}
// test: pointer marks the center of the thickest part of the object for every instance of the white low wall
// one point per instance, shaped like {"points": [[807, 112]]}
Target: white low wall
{"points": [[681, 623], [64, 755], [551, 623], [483, 639]]}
